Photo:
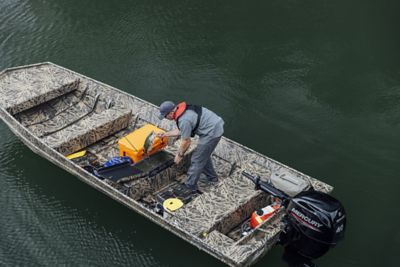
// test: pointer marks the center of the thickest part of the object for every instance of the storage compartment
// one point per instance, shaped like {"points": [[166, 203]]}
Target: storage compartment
{"points": [[232, 225]]}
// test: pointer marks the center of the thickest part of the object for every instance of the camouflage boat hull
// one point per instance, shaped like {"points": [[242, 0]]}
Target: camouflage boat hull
{"points": [[56, 112]]}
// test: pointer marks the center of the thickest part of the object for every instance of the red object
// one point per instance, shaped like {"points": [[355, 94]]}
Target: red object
{"points": [[261, 215], [179, 111]]}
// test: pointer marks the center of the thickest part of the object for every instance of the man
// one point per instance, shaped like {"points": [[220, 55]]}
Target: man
{"points": [[191, 120]]}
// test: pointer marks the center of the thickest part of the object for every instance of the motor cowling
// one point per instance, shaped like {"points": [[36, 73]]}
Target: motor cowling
{"points": [[316, 222]]}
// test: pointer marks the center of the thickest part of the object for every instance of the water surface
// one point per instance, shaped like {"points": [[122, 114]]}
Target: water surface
{"points": [[312, 84]]}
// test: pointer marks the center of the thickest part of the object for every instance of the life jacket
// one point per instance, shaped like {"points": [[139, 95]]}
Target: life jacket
{"points": [[182, 107]]}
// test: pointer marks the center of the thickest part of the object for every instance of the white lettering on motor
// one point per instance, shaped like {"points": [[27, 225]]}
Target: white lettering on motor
{"points": [[306, 219]]}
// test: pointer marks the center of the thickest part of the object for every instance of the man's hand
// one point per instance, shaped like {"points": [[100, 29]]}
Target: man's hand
{"points": [[160, 135], [185, 144], [178, 158]]}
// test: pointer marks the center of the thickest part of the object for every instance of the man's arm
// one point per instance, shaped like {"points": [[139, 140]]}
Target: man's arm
{"points": [[172, 133], [185, 144]]}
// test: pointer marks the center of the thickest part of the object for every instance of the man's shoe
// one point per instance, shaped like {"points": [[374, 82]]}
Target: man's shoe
{"points": [[213, 180], [192, 189], [207, 179]]}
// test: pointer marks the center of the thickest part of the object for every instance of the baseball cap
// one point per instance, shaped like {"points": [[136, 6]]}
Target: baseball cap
{"points": [[165, 108]]}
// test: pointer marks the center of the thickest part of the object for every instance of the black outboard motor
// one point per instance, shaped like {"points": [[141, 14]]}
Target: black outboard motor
{"points": [[314, 221]]}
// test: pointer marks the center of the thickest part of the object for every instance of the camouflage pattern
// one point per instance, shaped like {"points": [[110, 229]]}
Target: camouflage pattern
{"points": [[209, 211], [249, 248], [58, 112], [34, 86], [47, 112]]}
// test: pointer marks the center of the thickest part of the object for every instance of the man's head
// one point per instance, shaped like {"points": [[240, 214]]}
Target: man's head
{"points": [[167, 109]]}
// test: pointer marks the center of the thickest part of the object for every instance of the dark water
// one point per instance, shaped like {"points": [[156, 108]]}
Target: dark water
{"points": [[313, 84]]}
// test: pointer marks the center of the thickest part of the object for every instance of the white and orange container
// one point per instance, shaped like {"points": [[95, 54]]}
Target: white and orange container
{"points": [[258, 216]]}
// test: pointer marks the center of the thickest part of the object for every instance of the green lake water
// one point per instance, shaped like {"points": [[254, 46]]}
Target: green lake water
{"points": [[312, 84]]}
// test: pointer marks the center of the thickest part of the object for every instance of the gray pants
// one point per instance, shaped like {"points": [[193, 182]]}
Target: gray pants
{"points": [[201, 162]]}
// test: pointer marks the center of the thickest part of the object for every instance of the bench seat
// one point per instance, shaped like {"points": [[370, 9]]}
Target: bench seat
{"points": [[89, 130], [26, 88], [210, 210]]}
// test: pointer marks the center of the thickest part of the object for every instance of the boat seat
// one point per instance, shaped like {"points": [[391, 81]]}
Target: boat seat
{"points": [[232, 197], [23, 89], [89, 130]]}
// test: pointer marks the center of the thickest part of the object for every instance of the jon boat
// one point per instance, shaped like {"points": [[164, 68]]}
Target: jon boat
{"points": [[57, 112]]}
